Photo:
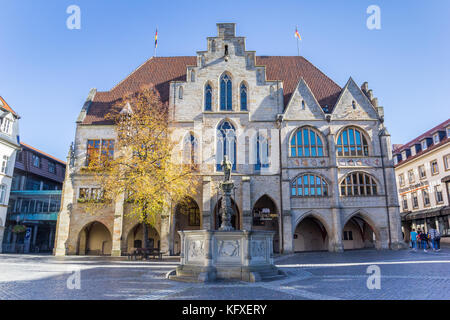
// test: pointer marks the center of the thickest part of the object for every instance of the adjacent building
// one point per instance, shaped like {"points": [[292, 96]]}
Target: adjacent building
{"points": [[9, 144], [422, 168], [34, 202], [312, 161]]}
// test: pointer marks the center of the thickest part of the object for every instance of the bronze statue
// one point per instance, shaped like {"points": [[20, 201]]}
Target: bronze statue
{"points": [[226, 164]]}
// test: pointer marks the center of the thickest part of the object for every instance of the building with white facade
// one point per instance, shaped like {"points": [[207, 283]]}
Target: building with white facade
{"points": [[422, 168], [312, 160], [9, 144]]}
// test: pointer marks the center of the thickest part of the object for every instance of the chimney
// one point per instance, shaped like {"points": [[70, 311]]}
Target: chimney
{"points": [[365, 87]]}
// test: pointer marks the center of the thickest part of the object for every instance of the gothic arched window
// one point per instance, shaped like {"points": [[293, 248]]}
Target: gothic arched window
{"points": [[192, 76], [262, 152], [180, 93], [306, 142], [208, 97], [352, 142], [190, 150], [243, 92], [309, 185], [225, 92], [358, 184], [226, 144]]}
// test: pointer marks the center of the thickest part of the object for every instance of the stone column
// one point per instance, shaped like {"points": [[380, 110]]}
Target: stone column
{"points": [[2, 231], [335, 242], [173, 225], [288, 244], [165, 232], [63, 223], [393, 207], [118, 227], [246, 204], [35, 231], [207, 215]]}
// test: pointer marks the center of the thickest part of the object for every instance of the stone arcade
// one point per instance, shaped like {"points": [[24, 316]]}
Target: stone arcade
{"points": [[311, 161]]}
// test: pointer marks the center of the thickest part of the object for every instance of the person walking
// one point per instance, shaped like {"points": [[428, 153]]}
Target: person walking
{"points": [[419, 242], [438, 240], [432, 233], [413, 236], [424, 240]]}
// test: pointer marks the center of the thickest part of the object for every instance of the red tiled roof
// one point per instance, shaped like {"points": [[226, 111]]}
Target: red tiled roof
{"points": [[160, 71], [428, 134], [42, 152], [6, 106]]}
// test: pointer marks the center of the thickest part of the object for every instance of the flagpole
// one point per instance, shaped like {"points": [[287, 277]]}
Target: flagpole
{"points": [[298, 49], [156, 41]]}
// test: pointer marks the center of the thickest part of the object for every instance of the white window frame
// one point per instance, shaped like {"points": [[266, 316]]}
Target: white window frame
{"points": [[3, 188], [424, 144], [4, 167], [436, 138]]}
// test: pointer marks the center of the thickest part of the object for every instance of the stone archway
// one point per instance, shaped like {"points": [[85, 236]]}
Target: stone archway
{"points": [[359, 234], [135, 237], [310, 235], [235, 218], [94, 239], [265, 217], [187, 217]]}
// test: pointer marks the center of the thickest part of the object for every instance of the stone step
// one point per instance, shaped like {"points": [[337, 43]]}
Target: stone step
{"points": [[272, 278]]}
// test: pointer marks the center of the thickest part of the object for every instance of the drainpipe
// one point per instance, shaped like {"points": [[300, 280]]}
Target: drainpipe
{"points": [[385, 188]]}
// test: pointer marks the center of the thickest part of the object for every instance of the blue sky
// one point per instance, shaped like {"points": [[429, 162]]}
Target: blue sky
{"points": [[46, 70]]}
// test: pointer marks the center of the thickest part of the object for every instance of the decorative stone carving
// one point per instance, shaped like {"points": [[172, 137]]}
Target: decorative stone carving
{"points": [[196, 249], [229, 248], [258, 248]]}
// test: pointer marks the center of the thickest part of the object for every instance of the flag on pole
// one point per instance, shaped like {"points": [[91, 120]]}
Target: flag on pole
{"points": [[156, 38], [297, 35]]}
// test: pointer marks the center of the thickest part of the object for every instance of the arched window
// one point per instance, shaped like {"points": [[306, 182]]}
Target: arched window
{"points": [[352, 142], [358, 184], [226, 144], [208, 97], [180, 93], [225, 93], [190, 150], [309, 185], [192, 76], [243, 91], [303, 105], [262, 152], [306, 142]]}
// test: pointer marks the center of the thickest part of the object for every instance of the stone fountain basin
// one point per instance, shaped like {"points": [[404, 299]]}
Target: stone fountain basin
{"points": [[208, 255]]}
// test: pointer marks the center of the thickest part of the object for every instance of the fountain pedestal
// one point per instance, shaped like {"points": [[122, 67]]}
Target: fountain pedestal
{"points": [[240, 255], [207, 255]]}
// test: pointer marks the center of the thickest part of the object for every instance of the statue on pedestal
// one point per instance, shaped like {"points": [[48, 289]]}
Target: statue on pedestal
{"points": [[226, 187]]}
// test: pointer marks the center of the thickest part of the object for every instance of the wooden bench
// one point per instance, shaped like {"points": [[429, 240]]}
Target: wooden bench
{"points": [[144, 254]]}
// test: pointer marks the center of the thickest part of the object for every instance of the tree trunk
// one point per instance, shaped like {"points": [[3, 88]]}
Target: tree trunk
{"points": [[145, 242]]}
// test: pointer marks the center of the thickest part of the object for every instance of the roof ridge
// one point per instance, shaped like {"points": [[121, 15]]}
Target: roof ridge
{"points": [[42, 152], [422, 136]]}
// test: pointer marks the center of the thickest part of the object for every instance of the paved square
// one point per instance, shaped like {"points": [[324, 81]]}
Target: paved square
{"points": [[319, 275]]}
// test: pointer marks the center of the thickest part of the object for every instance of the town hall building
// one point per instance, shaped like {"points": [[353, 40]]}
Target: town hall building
{"points": [[312, 161]]}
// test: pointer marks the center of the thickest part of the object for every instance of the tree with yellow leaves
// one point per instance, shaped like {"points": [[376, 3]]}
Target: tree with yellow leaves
{"points": [[143, 169]]}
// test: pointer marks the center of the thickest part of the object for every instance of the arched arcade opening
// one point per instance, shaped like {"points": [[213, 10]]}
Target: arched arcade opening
{"points": [[310, 235], [265, 217], [94, 239]]}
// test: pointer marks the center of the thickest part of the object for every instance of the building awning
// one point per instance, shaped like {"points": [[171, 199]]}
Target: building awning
{"points": [[445, 179], [428, 213]]}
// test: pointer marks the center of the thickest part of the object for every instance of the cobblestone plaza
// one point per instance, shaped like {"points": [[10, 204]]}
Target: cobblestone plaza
{"points": [[404, 275]]}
